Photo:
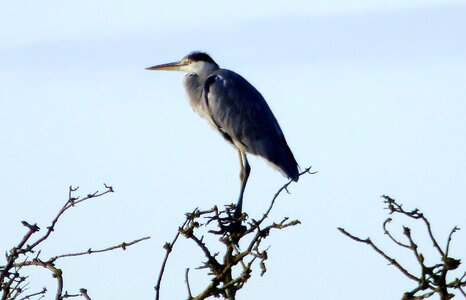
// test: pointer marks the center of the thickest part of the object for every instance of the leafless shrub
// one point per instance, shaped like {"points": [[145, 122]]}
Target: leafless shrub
{"points": [[27, 253], [241, 241], [433, 278]]}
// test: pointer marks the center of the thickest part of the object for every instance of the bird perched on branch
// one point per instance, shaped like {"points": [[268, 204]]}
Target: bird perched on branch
{"points": [[235, 109]]}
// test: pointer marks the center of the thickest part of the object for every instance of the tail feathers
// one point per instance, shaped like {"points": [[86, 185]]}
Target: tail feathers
{"points": [[294, 174], [285, 162], [290, 167], [278, 154]]}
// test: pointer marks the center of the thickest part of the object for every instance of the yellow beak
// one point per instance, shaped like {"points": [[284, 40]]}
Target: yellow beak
{"points": [[174, 66]]}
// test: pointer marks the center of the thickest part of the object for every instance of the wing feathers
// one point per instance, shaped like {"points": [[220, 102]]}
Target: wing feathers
{"points": [[243, 117]]}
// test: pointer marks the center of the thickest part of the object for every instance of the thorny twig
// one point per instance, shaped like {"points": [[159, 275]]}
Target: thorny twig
{"points": [[186, 280], [232, 233], [285, 187], [17, 258], [168, 248], [377, 249], [433, 279], [414, 214], [84, 294], [123, 246], [40, 293]]}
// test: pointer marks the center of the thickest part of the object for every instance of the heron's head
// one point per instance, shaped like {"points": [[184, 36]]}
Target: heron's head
{"points": [[195, 62]]}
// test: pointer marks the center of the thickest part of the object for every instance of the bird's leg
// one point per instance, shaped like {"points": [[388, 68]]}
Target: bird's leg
{"points": [[243, 175]]}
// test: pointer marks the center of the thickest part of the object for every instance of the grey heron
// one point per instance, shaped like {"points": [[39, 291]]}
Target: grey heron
{"points": [[237, 110]]}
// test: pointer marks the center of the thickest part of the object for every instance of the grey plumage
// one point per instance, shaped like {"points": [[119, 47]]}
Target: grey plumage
{"points": [[238, 111]]}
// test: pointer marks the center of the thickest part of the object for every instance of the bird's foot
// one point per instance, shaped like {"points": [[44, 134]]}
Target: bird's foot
{"points": [[233, 227], [232, 223]]}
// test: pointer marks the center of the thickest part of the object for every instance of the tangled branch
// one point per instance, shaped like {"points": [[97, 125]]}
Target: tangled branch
{"points": [[13, 284], [433, 278], [231, 233]]}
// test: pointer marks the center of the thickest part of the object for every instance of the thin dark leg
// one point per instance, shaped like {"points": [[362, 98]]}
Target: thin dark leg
{"points": [[243, 175]]}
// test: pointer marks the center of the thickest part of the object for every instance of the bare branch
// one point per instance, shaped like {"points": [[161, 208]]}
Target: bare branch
{"points": [[377, 249], [187, 284], [455, 229], [415, 214], [433, 279], [387, 232], [40, 293], [13, 284], [232, 233], [285, 187], [72, 201], [84, 294], [168, 248], [123, 246]]}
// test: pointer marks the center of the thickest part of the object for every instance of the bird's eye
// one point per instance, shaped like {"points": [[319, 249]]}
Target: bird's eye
{"points": [[187, 61]]}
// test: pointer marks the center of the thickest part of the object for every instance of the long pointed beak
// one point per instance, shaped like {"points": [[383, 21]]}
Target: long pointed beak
{"points": [[174, 66]]}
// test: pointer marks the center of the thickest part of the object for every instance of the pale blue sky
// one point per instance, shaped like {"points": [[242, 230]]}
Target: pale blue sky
{"points": [[371, 94]]}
